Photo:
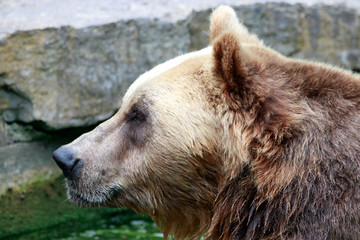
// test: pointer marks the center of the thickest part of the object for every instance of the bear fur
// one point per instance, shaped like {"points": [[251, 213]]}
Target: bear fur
{"points": [[235, 141]]}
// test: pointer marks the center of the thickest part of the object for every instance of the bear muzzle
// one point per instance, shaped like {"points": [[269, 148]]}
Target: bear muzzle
{"points": [[66, 159]]}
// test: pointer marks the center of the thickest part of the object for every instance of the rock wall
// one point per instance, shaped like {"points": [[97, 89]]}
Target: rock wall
{"points": [[56, 83]]}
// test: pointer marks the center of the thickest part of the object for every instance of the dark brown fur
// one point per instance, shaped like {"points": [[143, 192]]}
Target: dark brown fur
{"points": [[303, 127]]}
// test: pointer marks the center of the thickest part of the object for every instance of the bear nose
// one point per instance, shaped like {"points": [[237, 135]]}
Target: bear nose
{"points": [[66, 160]]}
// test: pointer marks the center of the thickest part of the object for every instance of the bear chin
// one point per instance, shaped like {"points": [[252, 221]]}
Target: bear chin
{"points": [[105, 198]]}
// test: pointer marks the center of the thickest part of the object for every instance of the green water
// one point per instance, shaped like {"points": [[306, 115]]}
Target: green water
{"points": [[121, 225], [137, 229], [41, 212]]}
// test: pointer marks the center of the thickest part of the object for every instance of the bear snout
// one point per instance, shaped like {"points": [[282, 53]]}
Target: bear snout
{"points": [[66, 159]]}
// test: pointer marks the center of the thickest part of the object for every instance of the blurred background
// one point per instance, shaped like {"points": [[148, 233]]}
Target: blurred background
{"points": [[65, 65]]}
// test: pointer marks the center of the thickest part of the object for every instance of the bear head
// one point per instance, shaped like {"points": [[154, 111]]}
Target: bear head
{"points": [[186, 128]]}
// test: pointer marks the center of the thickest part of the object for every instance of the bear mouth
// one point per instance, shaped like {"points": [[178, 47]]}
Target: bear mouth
{"points": [[106, 199]]}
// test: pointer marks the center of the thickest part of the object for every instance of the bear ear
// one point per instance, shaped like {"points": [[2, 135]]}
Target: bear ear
{"points": [[229, 57], [229, 62], [223, 20]]}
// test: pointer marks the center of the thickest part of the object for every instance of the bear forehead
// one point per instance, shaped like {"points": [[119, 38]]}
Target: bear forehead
{"points": [[148, 79]]}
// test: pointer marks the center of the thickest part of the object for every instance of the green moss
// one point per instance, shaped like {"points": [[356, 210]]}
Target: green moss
{"points": [[41, 211]]}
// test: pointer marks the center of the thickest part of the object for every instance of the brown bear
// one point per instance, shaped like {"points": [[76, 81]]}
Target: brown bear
{"points": [[234, 141]]}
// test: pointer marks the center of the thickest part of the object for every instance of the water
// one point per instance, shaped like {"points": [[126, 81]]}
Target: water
{"points": [[136, 229], [117, 225]]}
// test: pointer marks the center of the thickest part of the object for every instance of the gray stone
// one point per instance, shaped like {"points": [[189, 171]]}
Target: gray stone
{"points": [[14, 106], [70, 77], [14, 132], [351, 58], [74, 77], [23, 163]]}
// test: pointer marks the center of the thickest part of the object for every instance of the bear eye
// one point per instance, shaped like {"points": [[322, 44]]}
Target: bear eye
{"points": [[136, 117]]}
